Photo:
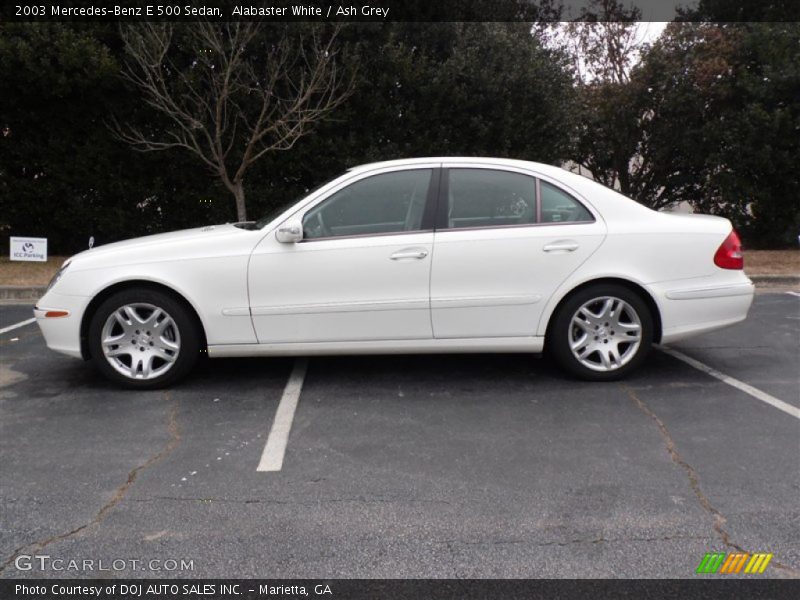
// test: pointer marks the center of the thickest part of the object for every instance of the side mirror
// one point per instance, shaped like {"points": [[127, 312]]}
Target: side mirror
{"points": [[290, 232]]}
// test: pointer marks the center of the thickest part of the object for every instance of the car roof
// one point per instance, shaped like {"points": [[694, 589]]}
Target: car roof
{"points": [[544, 169], [461, 159]]}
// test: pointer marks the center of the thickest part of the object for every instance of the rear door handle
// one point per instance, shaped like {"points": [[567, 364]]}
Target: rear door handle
{"points": [[561, 246], [406, 253]]}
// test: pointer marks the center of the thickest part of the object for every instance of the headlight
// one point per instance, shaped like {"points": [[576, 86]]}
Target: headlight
{"points": [[57, 276]]}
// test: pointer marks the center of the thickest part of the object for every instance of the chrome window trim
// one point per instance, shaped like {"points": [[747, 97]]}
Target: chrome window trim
{"points": [[517, 226], [363, 235]]}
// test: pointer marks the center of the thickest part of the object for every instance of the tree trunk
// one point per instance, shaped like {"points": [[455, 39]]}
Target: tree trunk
{"points": [[241, 208]]}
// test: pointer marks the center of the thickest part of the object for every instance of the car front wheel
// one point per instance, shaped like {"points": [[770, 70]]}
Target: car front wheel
{"points": [[602, 333], [143, 339]]}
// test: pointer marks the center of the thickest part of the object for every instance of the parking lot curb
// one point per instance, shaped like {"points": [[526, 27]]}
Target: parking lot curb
{"points": [[775, 279], [21, 292]]}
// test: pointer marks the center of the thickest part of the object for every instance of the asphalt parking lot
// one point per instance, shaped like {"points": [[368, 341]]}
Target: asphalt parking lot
{"points": [[418, 466]]}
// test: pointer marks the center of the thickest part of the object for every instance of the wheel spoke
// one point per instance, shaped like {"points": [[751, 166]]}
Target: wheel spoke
{"points": [[118, 351], [133, 315], [604, 358], [166, 344], [164, 325], [590, 316], [134, 368], [608, 309], [122, 318], [147, 365], [583, 324], [152, 320], [632, 332], [613, 355], [580, 342], [115, 339], [163, 354]]}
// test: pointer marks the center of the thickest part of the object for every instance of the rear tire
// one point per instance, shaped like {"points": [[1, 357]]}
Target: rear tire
{"points": [[143, 339], [601, 333]]}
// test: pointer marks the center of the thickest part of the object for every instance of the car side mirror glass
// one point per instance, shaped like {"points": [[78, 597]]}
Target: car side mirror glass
{"points": [[290, 232]]}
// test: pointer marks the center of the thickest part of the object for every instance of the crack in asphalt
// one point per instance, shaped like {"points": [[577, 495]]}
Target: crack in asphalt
{"points": [[694, 481], [210, 500], [174, 439]]}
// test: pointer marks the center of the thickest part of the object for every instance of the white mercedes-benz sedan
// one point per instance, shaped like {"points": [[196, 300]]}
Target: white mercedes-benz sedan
{"points": [[410, 256]]}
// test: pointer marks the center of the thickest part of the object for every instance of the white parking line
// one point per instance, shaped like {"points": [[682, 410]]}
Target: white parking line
{"points": [[794, 294], [272, 457], [17, 325], [747, 389]]}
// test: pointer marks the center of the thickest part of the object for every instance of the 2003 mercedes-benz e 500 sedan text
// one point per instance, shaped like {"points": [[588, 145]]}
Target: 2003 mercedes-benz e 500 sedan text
{"points": [[409, 256]]}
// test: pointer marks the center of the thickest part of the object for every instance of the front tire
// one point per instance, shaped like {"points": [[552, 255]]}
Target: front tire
{"points": [[143, 339], [601, 333]]}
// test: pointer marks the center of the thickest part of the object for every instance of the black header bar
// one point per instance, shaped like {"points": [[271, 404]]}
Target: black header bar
{"points": [[395, 589], [393, 10]]}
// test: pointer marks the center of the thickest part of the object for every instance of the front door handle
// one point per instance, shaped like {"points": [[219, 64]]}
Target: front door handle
{"points": [[561, 246], [406, 253]]}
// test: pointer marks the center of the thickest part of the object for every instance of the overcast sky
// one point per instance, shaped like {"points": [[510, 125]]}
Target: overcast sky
{"points": [[651, 10], [650, 30]]}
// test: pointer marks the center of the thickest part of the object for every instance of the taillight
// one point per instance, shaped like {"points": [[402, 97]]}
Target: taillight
{"points": [[729, 254]]}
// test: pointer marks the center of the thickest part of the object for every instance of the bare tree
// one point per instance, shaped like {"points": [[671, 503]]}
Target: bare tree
{"points": [[604, 45], [230, 95]]}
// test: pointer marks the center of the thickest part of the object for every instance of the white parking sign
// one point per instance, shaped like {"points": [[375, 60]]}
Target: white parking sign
{"points": [[26, 248]]}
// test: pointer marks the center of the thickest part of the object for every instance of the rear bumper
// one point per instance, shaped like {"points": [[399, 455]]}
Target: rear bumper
{"points": [[689, 308], [718, 291], [62, 334]]}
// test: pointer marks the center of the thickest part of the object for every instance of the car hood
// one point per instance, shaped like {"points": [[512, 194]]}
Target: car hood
{"points": [[210, 239]]}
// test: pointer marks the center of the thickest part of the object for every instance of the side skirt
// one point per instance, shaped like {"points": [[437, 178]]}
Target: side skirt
{"points": [[428, 346]]}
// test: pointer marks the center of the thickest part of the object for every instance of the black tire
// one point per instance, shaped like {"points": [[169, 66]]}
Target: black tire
{"points": [[561, 329], [182, 320]]}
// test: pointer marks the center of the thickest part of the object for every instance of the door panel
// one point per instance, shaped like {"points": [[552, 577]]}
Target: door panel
{"points": [[496, 282], [347, 289], [497, 257], [361, 273]]}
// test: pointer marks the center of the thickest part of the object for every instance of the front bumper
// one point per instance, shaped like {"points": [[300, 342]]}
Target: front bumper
{"points": [[61, 333]]}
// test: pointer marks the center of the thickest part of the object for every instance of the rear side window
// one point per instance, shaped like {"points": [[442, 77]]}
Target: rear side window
{"points": [[489, 198], [560, 207]]}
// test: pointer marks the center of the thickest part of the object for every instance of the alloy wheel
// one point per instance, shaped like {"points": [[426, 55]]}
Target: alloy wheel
{"points": [[140, 341], [605, 333]]}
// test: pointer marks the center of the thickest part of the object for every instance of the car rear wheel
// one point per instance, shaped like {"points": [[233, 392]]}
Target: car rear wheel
{"points": [[602, 332], [143, 339]]}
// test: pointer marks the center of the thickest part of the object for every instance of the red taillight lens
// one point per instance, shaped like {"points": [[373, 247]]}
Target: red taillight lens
{"points": [[729, 254]]}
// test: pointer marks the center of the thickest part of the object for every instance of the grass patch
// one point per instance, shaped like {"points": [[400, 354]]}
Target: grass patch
{"points": [[28, 273], [772, 262]]}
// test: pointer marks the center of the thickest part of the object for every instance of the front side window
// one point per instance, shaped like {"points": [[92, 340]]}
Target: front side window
{"points": [[387, 203], [560, 207], [489, 198]]}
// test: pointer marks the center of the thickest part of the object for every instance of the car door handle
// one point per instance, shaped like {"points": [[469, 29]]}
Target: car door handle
{"points": [[561, 246], [417, 253]]}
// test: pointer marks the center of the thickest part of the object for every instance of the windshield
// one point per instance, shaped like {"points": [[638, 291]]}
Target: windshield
{"points": [[285, 205]]}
